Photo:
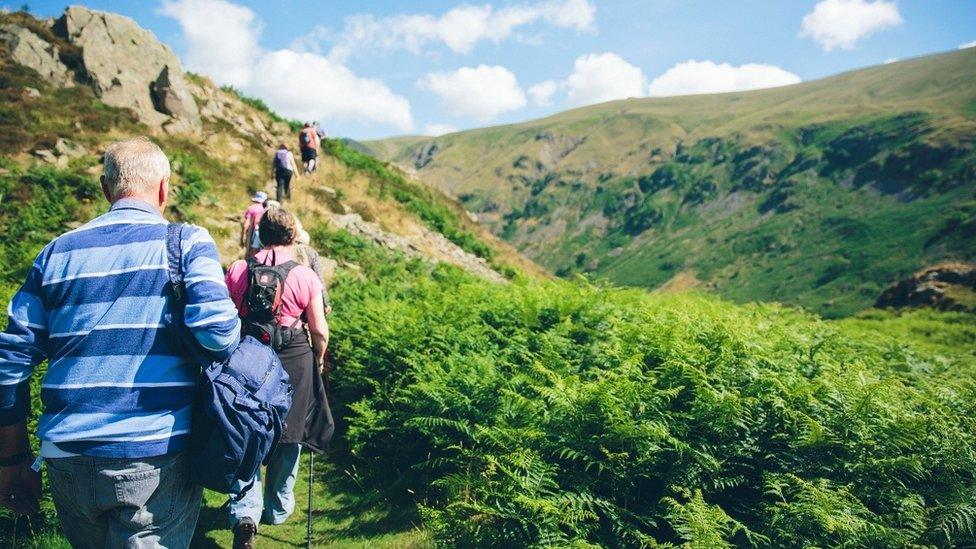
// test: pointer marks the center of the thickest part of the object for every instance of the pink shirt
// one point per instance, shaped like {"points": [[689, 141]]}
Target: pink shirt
{"points": [[254, 213], [301, 286]]}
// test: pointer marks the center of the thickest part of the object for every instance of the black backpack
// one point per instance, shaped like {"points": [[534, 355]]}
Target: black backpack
{"points": [[263, 304]]}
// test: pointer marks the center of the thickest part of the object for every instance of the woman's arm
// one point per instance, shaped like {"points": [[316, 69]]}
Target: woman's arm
{"points": [[246, 231], [318, 328]]}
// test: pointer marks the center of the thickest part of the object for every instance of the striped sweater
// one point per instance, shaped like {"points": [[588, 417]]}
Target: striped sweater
{"points": [[95, 306]]}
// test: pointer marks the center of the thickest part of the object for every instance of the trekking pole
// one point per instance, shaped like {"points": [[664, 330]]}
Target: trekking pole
{"points": [[311, 464]]}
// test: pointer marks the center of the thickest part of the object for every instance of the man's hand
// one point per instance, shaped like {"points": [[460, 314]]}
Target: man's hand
{"points": [[20, 488]]}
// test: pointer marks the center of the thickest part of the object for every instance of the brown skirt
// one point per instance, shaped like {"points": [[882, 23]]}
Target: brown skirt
{"points": [[298, 361]]}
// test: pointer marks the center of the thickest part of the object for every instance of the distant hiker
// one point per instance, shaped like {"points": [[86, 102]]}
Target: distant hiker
{"points": [[279, 300], [118, 389], [308, 142], [319, 131], [250, 239], [283, 168]]}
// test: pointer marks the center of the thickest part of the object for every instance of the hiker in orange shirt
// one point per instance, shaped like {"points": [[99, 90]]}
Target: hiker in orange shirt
{"points": [[308, 142]]}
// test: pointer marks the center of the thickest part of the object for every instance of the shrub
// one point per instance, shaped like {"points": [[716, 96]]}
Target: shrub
{"points": [[536, 414]]}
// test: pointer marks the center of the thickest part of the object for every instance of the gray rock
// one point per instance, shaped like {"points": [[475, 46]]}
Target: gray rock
{"points": [[49, 157], [165, 97], [32, 51], [425, 155], [129, 67], [69, 148], [32, 92]]}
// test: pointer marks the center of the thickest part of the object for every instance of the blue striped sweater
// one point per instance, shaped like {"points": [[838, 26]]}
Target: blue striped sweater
{"points": [[95, 306]]}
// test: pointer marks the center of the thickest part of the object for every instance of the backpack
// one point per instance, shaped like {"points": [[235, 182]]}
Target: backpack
{"points": [[240, 403], [263, 304], [281, 160], [305, 140]]}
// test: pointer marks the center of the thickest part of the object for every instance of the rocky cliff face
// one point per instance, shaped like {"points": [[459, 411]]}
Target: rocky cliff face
{"points": [[124, 64], [128, 67], [30, 50]]}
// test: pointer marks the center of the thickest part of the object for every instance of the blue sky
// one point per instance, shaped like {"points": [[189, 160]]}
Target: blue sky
{"points": [[375, 68]]}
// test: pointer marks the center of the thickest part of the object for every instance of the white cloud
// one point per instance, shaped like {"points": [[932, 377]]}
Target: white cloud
{"points": [[543, 92], [481, 92], [225, 56], [891, 60], [693, 77], [460, 29], [841, 23], [968, 45], [308, 86], [603, 77], [436, 130], [296, 84]]}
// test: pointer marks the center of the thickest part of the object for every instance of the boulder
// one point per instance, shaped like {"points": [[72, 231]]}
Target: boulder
{"points": [[129, 67], [166, 97], [62, 153], [32, 51], [69, 148]]}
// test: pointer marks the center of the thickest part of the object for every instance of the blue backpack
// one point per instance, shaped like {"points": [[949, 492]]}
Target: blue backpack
{"points": [[240, 403]]}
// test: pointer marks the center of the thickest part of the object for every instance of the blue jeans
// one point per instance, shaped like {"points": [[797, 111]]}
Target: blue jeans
{"points": [[122, 502], [276, 501]]}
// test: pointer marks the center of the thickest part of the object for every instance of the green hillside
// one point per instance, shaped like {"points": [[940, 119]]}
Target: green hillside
{"points": [[819, 194]]}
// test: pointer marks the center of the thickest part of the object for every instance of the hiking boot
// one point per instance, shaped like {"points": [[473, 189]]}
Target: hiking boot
{"points": [[244, 534]]}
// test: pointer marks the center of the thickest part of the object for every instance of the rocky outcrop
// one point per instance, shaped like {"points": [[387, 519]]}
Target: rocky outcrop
{"points": [[127, 66], [32, 51], [218, 104], [947, 287], [62, 153], [425, 154]]}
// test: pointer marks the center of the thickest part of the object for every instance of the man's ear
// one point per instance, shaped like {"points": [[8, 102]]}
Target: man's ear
{"points": [[163, 193], [105, 192]]}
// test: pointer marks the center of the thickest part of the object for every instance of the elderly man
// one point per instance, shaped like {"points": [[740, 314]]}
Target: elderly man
{"points": [[117, 393]]}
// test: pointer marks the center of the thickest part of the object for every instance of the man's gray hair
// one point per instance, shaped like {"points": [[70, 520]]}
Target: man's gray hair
{"points": [[134, 167]]}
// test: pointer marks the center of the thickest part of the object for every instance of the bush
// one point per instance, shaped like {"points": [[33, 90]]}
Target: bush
{"points": [[536, 414]]}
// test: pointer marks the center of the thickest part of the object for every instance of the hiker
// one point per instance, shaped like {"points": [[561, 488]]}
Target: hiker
{"points": [[301, 308], [319, 131], [306, 255], [308, 142], [118, 389], [283, 167], [249, 223]]}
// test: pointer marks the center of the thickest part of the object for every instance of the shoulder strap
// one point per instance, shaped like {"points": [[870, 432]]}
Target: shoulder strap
{"points": [[174, 256], [285, 268]]}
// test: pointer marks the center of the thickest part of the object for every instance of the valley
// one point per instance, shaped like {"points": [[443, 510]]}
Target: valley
{"points": [[819, 194]]}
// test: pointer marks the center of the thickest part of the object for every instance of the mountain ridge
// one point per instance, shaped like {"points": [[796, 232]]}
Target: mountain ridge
{"points": [[559, 187]]}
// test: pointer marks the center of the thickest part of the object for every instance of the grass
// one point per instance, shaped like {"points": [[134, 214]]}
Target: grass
{"points": [[343, 517]]}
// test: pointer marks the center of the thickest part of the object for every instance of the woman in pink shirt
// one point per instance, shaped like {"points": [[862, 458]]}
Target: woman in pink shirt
{"points": [[301, 309], [249, 225]]}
